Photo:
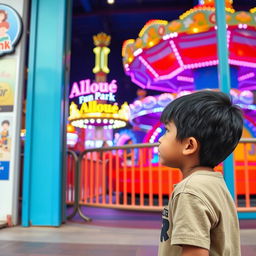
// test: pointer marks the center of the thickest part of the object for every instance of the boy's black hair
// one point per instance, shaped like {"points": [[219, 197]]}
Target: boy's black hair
{"points": [[209, 117], [5, 122]]}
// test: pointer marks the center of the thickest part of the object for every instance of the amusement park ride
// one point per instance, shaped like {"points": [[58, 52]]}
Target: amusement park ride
{"points": [[180, 57], [176, 58]]}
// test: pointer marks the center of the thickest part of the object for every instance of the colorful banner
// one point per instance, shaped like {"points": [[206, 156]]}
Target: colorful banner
{"points": [[7, 83], [12, 64], [10, 29], [5, 146]]}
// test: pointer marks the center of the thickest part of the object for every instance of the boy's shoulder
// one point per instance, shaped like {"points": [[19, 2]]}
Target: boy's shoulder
{"points": [[199, 182]]}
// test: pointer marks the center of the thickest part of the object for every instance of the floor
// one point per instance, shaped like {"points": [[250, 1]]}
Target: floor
{"points": [[111, 233]]}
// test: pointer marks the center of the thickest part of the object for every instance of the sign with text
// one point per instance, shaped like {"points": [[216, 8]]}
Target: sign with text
{"points": [[91, 91], [12, 65], [7, 84], [10, 29]]}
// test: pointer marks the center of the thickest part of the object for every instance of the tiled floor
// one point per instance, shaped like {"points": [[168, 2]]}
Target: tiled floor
{"points": [[111, 233]]}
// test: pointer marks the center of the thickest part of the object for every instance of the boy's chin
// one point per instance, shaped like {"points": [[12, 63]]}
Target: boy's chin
{"points": [[167, 164], [164, 163]]}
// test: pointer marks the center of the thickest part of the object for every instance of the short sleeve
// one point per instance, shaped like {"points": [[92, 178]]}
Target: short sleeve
{"points": [[192, 221]]}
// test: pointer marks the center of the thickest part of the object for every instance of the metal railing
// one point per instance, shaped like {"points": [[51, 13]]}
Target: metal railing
{"points": [[130, 177]]}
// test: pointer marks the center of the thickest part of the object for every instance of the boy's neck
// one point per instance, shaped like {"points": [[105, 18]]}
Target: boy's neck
{"points": [[189, 171]]}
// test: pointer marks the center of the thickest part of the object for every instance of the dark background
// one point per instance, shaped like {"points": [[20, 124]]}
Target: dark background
{"points": [[123, 20]]}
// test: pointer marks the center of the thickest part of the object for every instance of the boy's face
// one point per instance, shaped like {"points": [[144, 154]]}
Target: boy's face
{"points": [[170, 148]]}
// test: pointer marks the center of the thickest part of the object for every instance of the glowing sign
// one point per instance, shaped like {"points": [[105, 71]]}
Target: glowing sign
{"points": [[99, 114], [101, 59], [94, 107], [85, 87]]}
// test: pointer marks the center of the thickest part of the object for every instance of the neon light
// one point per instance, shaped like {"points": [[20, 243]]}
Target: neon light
{"points": [[145, 63], [250, 107], [172, 74], [97, 51], [176, 53], [171, 35], [242, 63], [138, 52], [94, 106], [201, 64], [72, 139], [125, 44], [242, 26], [246, 76], [152, 22], [99, 114], [101, 59], [185, 79], [228, 38], [86, 87]]}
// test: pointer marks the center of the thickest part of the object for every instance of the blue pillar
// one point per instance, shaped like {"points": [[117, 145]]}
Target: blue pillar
{"points": [[224, 81], [45, 115]]}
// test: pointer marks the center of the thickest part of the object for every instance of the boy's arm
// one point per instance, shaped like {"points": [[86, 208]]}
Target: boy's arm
{"points": [[188, 250]]}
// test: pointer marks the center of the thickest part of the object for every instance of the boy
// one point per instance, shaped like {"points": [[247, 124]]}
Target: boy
{"points": [[202, 129]]}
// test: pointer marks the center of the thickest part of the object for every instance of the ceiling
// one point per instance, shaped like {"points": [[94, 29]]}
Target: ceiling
{"points": [[101, 6]]}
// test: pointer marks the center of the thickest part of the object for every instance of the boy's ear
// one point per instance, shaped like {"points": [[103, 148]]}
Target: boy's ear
{"points": [[191, 145]]}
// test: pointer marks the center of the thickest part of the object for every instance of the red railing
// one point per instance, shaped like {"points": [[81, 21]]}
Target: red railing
{"points": [[130, 177]]}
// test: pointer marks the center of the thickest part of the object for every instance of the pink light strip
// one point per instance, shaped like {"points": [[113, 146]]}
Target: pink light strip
{"points": [[172, 74], [171, 35], [177, 55], [138, 52], [242, 63], [185, 79], [246, 76], [137, 81], [201, 64], [151, 70], [228, 38], [242, 26]]}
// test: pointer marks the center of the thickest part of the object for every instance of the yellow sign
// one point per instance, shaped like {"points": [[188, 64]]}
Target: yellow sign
{"points": [[6, 95], [7, 82], [95, 107], [102, 114]]}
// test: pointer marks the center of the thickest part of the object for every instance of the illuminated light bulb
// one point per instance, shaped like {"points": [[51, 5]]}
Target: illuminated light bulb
{"points": [[92, 121], [98, 121], [111, 1], [137, 52], [159, 129], [151, 43], [105, 121], [195, 30], [130, 59]]}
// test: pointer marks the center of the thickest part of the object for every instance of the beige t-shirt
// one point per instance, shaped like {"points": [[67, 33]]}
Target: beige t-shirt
{"points": [[202, 213]]}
